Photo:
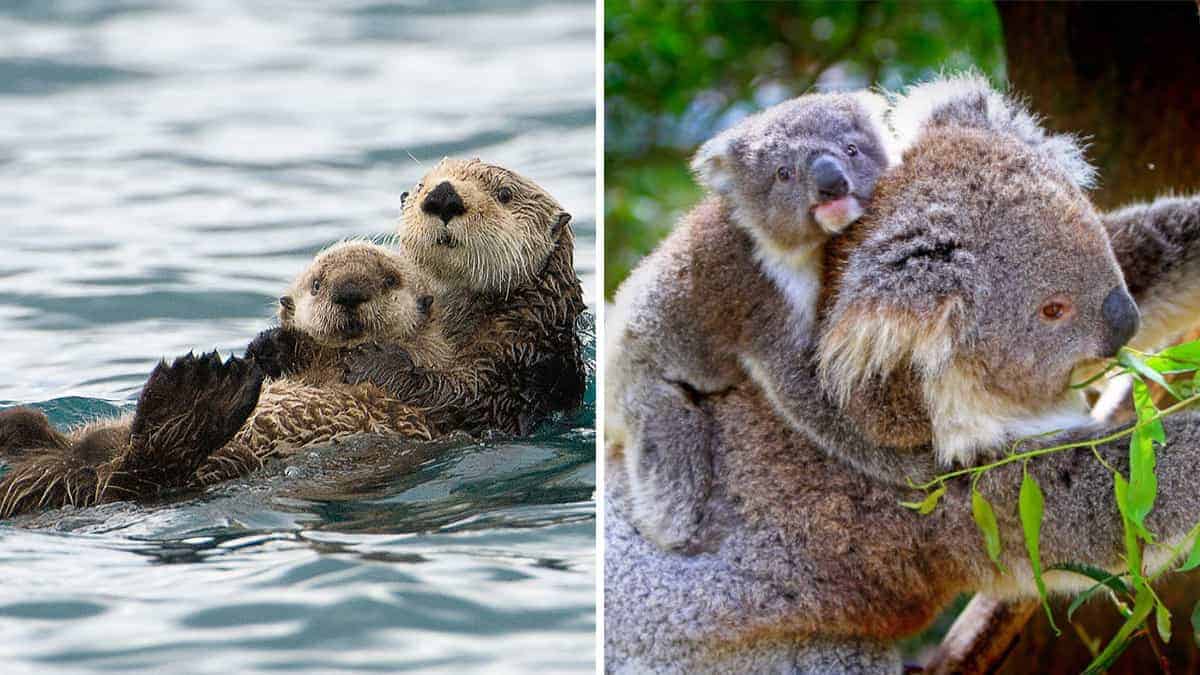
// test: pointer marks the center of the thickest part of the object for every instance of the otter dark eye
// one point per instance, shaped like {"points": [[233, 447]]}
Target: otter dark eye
{"points": [[852, 149], [504, 195], [316, 286], [784, 173]]}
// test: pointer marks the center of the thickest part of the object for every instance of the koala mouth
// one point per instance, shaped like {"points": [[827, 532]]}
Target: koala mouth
{"points": [[834, 215]]}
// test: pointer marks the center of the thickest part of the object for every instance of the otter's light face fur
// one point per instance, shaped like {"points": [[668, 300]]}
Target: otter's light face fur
{"points": [[984, 269], [479, 227], [356, 292], [800, 171]]}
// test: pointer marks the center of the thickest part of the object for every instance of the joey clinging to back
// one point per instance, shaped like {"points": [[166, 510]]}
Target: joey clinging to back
{"points": [[796, 174], [733, 290]]}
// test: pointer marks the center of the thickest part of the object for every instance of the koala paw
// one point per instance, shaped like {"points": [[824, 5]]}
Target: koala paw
{"points": [[375, 363]]}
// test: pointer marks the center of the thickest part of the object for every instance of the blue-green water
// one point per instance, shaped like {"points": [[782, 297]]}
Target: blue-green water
{"points": [[165, 169]]}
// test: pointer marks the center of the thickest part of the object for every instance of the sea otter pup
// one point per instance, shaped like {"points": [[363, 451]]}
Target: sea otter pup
{"points": [[351, 292], [500, 250]]}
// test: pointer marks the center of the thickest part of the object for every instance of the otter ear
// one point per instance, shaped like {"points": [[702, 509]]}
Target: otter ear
{"points": [[560, 222], [903, 299], [969, 100], [715, 162]]}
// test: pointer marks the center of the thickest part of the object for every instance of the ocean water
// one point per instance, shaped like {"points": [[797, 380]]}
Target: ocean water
{"points": [[166, 167]]}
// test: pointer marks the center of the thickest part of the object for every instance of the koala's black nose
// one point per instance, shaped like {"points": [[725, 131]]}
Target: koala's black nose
{"points": [[349, 295], [443, 201], [829, 178], [1121, 317]]}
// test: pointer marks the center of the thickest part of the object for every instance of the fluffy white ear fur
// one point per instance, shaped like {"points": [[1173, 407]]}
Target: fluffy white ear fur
{"points": [[878, 108], [713, 164], [967, 99]]}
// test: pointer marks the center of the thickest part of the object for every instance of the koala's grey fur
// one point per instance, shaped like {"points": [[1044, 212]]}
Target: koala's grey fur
{"points": [[1157, 246], [807, 558], [755, 240]]}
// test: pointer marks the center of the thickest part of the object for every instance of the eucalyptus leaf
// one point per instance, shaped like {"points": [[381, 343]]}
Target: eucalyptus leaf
{"points": [[1187, 353], [1101, 576], [1133, 547], [1141, 610], [1031, 505], [985, 518], [1134, 364], [1143, 483], [927, 505], [1162, 621], [1087, 595], [1193, 559]]}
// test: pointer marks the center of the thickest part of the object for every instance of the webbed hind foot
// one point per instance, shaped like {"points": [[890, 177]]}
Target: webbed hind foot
{"points": [[188, 411]]}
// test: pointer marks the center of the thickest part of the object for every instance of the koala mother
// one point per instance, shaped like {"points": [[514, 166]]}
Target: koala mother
{"points": [[957, 308]]}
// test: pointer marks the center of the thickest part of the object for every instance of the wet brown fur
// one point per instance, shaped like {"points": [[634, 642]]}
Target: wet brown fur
{"points": [[511, 303]]}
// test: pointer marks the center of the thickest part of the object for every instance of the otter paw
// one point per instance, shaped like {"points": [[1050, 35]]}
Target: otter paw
{"points": [[379, 364], [274, 350], [193, 407]]}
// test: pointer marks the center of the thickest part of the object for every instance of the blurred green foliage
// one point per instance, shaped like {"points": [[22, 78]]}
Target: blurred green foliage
{"points": [[676, 73]]}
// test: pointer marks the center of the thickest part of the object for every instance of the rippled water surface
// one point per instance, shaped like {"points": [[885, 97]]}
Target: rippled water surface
{"points": [[165, 169]]}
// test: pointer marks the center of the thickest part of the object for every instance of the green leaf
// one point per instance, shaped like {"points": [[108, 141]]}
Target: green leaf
{"points": [[1193, 559], [1086, 595], [1031, 505], [1101, 576], [1162, 621], [1135, 364], [927, 505], [985, 518], [1141, 610], [1133, 548], [1177, 359], [1143, 484]]}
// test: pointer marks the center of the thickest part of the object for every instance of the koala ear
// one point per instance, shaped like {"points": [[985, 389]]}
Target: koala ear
{"points": [[878, 108], [714, 163], [969, 100], [902, 299]]}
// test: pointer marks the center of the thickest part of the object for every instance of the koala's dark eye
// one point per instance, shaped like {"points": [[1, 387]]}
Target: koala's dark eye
{"points": [[403, 197], [1056, 309], [504, 194], [784, 173], [316, 286], [852, 149]]}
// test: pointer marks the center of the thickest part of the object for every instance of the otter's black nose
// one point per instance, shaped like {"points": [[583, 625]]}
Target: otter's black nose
{"points": [[443, 201], [349, 295], [829, 178], [1120, 317]]}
